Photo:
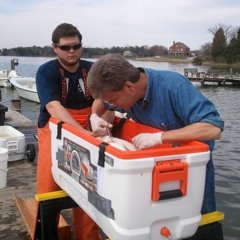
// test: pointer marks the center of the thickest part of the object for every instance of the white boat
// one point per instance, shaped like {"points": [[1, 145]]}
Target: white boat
{"points": [[25, 87], [5, 76]]}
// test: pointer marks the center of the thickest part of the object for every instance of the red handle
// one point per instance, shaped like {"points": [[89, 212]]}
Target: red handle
{"points": [[168, 171]]}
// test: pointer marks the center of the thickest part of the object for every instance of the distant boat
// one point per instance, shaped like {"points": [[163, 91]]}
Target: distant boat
{"points": [[5, 76], [25, 87]]}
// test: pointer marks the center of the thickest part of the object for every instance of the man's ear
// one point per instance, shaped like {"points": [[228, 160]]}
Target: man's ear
{"points": [[128, 86], [54, 47]]}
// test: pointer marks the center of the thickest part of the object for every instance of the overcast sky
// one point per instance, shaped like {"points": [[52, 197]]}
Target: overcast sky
{"points": [[108, 23]]}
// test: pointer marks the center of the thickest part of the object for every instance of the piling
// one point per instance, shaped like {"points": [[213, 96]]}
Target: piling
{"points": [[3, 109], [16, 104]]}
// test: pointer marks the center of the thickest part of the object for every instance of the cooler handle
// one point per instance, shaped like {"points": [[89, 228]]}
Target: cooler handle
{"points": [[12, 145], [168, 171]]}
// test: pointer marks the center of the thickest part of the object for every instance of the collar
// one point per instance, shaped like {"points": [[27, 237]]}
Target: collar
{"points": [[144, 101]]}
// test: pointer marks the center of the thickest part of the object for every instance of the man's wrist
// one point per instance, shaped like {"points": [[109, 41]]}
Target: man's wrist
{"points": [[93, 115], [160, 137]]}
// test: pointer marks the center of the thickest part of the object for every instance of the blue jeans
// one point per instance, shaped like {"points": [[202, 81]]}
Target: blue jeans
{"points": [[209, 203]]}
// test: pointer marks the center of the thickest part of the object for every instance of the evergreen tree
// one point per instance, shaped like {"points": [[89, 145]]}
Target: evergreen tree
{"points": [[232, 52], [237, 49], [218, 46]]}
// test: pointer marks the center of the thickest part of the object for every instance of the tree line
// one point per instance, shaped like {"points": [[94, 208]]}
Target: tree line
{"points": [[47, 51]]}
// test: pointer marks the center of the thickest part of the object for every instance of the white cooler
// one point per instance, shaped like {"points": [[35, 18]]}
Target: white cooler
{"points": [[132, 195], [14, 141]]}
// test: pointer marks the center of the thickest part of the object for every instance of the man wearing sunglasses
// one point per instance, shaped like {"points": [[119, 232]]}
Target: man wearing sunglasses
{"points": [[63, 92]]}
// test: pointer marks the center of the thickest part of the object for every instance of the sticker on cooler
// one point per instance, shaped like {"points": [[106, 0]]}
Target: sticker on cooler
{"points": [[74, 160]]}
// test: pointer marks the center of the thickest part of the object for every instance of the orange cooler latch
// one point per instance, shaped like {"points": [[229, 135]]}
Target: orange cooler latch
{"points": [[169, 171]]}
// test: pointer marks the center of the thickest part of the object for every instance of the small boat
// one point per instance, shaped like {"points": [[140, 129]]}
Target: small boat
{"points": [[25, 87], [5, 75]]}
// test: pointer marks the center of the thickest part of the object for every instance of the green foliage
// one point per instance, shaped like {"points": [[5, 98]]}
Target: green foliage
{"points": [[197, 61], [219, 46], [232, 51]]}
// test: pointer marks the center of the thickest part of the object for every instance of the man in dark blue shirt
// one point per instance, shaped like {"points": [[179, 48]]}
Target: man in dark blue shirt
{"points": [[63, 91]]}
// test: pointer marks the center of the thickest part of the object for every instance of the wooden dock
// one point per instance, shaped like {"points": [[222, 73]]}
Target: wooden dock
{"points": [[212, 76]]}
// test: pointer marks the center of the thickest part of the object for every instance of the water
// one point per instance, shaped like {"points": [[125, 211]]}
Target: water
{"points": [[227, 150], [27, 67]]}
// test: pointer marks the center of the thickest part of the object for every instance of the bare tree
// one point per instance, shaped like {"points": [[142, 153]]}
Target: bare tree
{"points": [[206, 51], [233, 33], [227, 29], [157, 50]]}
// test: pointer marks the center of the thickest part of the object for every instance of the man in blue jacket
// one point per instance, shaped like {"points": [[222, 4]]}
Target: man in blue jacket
{"points": [[161, 99]]}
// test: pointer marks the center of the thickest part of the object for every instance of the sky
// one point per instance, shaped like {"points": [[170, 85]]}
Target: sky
{"points": [[108, 23]]}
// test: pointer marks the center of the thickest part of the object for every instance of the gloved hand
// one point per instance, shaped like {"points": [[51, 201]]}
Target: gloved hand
{"points": [[99, 125], [147, 140]]}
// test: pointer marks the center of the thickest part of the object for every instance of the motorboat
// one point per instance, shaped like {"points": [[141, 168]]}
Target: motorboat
{"points": [[5, 75], [25, 87]]}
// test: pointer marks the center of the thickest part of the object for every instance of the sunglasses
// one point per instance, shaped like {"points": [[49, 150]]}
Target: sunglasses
{"points": [[67, 48]]}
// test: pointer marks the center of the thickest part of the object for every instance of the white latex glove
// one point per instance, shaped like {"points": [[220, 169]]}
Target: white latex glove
{"points": [[147, 140], [99, 125]]}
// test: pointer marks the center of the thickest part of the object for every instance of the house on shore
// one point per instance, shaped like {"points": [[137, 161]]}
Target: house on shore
{"points": [[179, 49]]}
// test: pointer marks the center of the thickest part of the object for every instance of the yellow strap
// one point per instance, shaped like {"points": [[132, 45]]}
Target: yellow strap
{"points": [[211, 217], [50, 195]]}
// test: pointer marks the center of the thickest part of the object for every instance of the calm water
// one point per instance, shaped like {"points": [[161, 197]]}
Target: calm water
{"points": [[227, 150]]}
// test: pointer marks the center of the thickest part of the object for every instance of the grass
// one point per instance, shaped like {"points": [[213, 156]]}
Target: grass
{"points": [[174, 59]]}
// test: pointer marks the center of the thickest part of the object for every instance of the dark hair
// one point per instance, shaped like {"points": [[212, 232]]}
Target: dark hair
{"points": [[109, 73], [65, 30]]}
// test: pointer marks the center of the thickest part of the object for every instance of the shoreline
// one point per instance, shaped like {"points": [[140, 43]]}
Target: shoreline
{"points": [[186, 60], [167, 60], [164, 59]]}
